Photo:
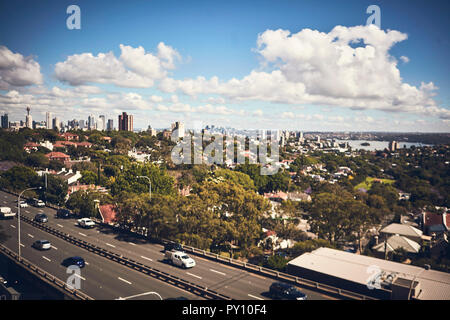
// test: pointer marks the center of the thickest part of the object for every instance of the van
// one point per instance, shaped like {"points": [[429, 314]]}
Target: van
{"points": [[6, 213], [179, 259]]}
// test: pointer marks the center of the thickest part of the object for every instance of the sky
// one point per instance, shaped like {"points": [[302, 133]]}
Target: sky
{"points": [[295, 65]]}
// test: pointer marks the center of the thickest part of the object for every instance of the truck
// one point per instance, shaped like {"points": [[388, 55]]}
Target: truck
{"points": [[180, 259], [86, 223], [38, 203], [6, 213]]}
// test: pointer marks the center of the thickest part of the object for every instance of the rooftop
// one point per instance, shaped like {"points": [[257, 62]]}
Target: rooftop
{"points": [[402, 229], [435, 285]]}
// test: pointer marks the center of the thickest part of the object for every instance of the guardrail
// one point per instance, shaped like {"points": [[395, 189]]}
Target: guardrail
{"points": [[76, 294], [153, 272], [246, 266]]}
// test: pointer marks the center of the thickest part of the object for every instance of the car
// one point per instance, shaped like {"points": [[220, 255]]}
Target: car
{"points": [[23, 204], [180, 259], [6, 213], [64, 213], [42, 245], [41, 217], [37, 203], [86, 223], [285, 291], [74, 261], [173, 247]]}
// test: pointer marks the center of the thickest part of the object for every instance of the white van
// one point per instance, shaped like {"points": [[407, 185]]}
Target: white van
{"points": [[180, 259]]}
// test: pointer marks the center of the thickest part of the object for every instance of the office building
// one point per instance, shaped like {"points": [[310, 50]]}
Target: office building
{"points": [[28, 119], [393, 146], [101, 124], [48, 120], [180, 127], [5, 121], [110, 125], [125, 122]]}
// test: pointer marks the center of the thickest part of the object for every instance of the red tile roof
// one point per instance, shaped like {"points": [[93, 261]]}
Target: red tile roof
{"points": [[52, 155], [432, 219], [108, 212]]}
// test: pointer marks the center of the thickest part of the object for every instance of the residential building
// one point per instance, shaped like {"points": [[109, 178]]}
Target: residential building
{"points": [[58, 156], [405, 230], [5, 121], [101, 125], [110, 125], [125, 122], [396, 242], [28, 119], [48, 120]]}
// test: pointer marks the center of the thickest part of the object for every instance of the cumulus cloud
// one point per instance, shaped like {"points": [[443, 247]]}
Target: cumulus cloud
{"points": [[405, 59], [17, 70], [135, 68], [348, 67]]}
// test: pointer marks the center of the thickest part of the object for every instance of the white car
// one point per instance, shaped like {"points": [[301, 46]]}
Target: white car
{"points": [[42, 245], [23, 204], [86, 223], [180, 259]]}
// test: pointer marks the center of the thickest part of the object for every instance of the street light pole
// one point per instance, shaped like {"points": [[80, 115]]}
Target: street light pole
{"points": [[150, 185], [18, 217]]}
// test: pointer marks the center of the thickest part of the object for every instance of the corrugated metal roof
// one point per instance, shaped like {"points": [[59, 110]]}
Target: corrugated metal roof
{"points": [[435, 285], [402, 229]]}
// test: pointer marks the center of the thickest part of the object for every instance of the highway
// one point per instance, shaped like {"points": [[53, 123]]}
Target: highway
{"points": [[109, 280]]}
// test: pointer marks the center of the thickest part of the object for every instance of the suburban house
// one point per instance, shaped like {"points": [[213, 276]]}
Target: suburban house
{"points": [[58, 156], [396, 242], [31, 146], [108, 212], [435, 223], [404, 230], [69, 136]]}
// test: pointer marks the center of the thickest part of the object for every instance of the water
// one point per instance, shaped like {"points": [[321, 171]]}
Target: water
{"points": [[379, 145]]}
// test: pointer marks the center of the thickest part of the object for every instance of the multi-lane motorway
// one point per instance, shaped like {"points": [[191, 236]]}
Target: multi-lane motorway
{"points": [[104, 279]]}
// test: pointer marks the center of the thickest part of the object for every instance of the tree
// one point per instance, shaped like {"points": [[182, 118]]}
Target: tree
{"points": [[88, 177], [37, 160]]}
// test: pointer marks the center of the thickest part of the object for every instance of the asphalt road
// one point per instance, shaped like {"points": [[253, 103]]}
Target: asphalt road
{"points": [[233, 282]]}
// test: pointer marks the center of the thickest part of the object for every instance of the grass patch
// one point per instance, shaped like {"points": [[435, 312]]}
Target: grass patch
{"points": [[367, 184]]}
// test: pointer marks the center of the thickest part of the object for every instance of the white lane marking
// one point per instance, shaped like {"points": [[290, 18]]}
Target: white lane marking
{"points": [[139, 295], [108, 244], [54, 247], [27, 211], [30, 235], [77, 275], [59, 225], [193, 275], [86, 263], [22, 245], [82, 234], [133, 244], [217, 272], [255, 297], [146, 258], [12, 226], [124, 280], [47, 259]]}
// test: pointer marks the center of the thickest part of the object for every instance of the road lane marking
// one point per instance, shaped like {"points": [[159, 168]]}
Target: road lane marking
{"points": [[82, 234], [255, 297], [54, 247], [217, 272], [77, 275], [27, 211], [133, 244], [138, 295], [193, 275], [47, 259], [124, 280], [146, 258], [30, 235], [22, 245], [59, 225], [12, 226], [86, 263], [108, 244]]}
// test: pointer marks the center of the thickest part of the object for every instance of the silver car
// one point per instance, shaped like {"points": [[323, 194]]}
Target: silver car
{"points": [[42, 245]]}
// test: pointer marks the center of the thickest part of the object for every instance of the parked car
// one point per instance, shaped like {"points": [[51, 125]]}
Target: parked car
{"points": [[86, 223], [285, 291], [173, 247], [180, 259], [64, 213], [42, 245], [6, 213], [74, 261], [41, 217]]}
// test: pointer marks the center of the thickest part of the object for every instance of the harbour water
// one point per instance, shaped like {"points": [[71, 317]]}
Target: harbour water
{"points": [[379, 145]]}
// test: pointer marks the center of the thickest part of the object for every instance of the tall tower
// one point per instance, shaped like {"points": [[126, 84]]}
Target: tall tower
{"points": [[48, 120], [125, 122], [28, 119]]}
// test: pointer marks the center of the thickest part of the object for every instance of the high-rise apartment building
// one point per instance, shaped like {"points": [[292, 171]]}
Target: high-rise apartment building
{"points": [[101, 124], [28, 119], [5, 121], [48, 120], [125, 122], [91, 123], [180, 127], [110, 125]]}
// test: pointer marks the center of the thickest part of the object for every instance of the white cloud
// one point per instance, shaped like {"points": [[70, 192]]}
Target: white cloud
{"points": [[405, 59], [135, 68], [17, 70]]}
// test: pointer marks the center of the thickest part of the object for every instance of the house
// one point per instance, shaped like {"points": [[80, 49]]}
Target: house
{"points": [[84, 144], [396, 242], [108, 212], [276, 196], [69, 136], [69, 176], [298, 196], [58, 156], [435, 223], [107, 139], [30, 146], [405, 230]]}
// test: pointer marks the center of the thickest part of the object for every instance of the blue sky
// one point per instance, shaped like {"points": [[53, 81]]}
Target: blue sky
{"points": [[219, 39]]}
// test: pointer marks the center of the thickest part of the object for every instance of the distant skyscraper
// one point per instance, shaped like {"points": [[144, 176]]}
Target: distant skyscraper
{"points": [[82, 124], [110, 125], [393, 145], [180, 127], [91, 122], [5, 121], [28, 119], [101, 123], [56, 124], [125, 122], [48, 120]]}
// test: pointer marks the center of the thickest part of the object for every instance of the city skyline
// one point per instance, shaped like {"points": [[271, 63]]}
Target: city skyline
{"points": [[293, 66]]}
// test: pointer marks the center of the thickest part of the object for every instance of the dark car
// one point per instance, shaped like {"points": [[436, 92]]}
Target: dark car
{"points": [[173, 247], [77, 261], [64, 213], [285, 291], [41, 217]]}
